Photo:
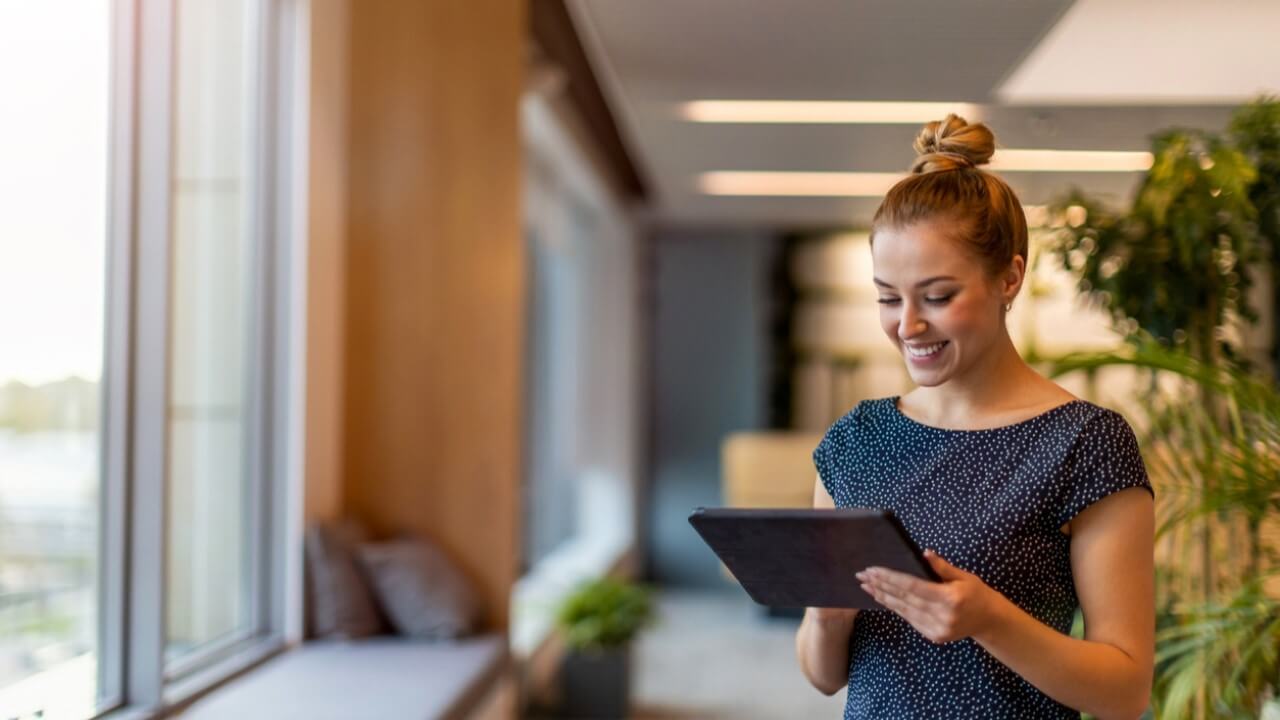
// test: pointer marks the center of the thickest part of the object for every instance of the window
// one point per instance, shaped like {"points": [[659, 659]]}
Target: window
{"points": [[53, 188], [212, 478], [147, 326], [553, 350], [582, 402]]}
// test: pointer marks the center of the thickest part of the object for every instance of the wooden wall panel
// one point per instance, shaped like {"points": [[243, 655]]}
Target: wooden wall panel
{"points": [[326, 260], [436, 279]]}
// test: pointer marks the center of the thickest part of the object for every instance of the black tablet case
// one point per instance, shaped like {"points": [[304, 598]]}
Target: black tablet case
{"points": [[795, 558]]}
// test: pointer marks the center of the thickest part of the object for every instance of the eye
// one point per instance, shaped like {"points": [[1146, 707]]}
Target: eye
{"points": [[887, 301], [939, 300]]}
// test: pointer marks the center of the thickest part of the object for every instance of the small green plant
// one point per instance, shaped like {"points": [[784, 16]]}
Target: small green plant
{"points": [[603, 614]]}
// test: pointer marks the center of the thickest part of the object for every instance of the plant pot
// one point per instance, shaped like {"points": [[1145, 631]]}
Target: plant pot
{"points": [[596, 685]]}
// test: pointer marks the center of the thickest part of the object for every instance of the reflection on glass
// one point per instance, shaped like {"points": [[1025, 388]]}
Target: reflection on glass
{"points": [[210, 574], [53, 174]]}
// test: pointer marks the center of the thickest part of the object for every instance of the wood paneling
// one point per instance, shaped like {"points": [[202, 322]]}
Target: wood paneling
{"points": [[326, 259], [436, 279]]}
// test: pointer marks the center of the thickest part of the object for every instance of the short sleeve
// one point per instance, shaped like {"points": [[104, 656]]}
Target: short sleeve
{"points": [[1104, 459], [822, 461], [833, 450]]}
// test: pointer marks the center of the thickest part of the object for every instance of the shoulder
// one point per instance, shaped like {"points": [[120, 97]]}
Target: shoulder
{"points": [[864, 422], [1105, 454], [866, 415], [1098, 425], [863, 418], [845, 444]]}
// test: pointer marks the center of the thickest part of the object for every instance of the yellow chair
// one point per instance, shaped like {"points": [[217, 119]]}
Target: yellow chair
{"points": [[767, 470]]}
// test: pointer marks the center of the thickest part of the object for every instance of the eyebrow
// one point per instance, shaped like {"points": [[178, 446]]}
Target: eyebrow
{"points": [[920, 284]]}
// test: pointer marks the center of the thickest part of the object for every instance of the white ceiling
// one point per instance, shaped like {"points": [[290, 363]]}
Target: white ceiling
{"points": [[1121, 51], [651, 55]]}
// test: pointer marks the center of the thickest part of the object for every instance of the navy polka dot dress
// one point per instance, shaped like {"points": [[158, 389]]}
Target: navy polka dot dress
{"points": [[991, 502]]}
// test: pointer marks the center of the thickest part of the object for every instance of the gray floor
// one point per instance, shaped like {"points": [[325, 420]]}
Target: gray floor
{"points": [[717, 655]]}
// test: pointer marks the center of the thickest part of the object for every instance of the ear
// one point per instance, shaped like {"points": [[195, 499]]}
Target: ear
{"points": [[1011, 279]]}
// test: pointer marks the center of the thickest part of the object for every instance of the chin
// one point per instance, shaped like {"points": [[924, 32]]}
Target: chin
{"points": [[928, 379]]}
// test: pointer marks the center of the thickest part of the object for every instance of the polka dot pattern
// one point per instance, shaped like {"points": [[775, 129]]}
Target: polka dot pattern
{"points": [[991, 502]]}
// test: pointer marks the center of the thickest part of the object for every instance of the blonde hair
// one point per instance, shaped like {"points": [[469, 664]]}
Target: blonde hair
{"points": [[946, 183]]}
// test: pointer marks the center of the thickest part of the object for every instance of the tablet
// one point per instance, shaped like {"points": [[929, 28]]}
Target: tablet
{"points": [[796, 558]]}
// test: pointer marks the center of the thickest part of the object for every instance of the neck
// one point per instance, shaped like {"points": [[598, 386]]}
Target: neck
{"points": [[986, 386]]}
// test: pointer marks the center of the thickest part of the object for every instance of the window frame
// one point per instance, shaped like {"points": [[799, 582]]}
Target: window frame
{"points": [[132, 674], [113, 541]]}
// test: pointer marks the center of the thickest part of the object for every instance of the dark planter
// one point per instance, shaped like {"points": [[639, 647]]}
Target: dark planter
{"points": [[596, 685]]}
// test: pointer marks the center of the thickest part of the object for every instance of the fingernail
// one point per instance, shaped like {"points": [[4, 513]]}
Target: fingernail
{"points": [[861, 575]]}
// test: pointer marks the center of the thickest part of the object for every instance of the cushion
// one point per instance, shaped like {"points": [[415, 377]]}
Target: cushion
{"points": [[386, 677], [342, 603], [422, 592]]}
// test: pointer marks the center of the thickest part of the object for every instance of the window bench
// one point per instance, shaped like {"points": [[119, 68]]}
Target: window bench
{"points": [[381, 677]]}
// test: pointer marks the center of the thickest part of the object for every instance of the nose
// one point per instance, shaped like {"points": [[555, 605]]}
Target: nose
{"points": [[910, 324]]}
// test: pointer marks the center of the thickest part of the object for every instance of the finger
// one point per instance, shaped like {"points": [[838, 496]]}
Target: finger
{"points": [[944, 569], [903, 584], [923, 622], [904, 598], [918, 619]]}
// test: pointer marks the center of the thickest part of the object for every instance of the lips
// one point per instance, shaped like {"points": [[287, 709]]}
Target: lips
{"points": [[924, 351]]}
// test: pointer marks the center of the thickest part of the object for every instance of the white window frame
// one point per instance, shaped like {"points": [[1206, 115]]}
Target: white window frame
{"points": [[132, 672]]}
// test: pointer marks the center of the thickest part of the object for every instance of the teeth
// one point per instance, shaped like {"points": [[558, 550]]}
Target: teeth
{"points": [[925, 351]]}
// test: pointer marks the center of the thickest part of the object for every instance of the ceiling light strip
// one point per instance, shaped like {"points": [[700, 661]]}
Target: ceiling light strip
{"points": [[1011, 160], [870, 184], [835, 184], [823, 111]]}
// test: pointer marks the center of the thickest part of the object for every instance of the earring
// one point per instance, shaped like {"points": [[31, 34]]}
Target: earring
{"points": [[1008, 306]]}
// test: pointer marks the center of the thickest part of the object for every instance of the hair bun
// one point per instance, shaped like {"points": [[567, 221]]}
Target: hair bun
{"points": [[952, 144]]}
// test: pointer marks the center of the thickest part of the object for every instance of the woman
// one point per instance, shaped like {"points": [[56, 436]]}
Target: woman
{"points": [[1029, 500]]}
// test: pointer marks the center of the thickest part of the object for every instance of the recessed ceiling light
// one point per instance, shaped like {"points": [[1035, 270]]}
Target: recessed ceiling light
{"points": [[876, 184], [846, 184], [823, 111], [1011, 160]]}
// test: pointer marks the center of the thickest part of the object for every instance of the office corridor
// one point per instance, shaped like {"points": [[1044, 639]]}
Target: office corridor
{"points": [[716, 656]]}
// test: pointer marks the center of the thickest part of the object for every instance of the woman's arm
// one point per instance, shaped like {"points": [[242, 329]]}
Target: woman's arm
{"points": [[1108, 674], [822, 646], [822, 642]]}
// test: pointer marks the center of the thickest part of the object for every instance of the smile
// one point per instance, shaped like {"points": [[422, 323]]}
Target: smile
{"points": [[926, 350]]}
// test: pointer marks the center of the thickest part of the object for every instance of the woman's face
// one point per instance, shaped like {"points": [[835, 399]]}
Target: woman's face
{"points": [[937, 304]]}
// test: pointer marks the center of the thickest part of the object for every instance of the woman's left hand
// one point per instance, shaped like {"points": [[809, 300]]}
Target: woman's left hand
{"points": [[960, 606]]}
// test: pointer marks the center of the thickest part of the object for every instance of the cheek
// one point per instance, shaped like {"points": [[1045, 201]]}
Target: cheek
{"points": [[889, 322], [967, 317]]}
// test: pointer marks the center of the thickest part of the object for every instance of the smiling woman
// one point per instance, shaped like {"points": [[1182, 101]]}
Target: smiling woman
{"points": [[1032, 502]]}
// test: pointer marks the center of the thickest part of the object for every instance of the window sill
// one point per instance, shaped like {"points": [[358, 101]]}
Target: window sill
{"points": [[537, 595], [196, 684], [178, 695]]}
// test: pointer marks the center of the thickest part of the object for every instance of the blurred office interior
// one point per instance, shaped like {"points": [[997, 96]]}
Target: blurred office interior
{"points": [[342, 342]]}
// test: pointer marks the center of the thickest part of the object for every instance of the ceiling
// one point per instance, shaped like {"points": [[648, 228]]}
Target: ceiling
{"points": [[1089, 75]]}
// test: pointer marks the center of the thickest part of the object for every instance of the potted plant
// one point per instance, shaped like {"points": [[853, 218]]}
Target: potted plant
{"points": [[1173, 271], [598, 620], [1224, 651]]}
